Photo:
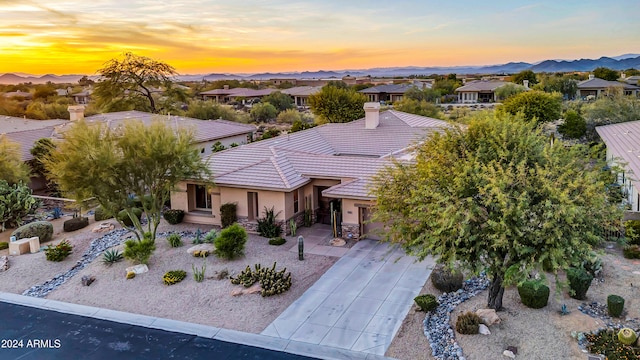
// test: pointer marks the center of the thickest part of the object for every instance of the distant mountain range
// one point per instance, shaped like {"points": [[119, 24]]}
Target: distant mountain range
{"points": [[621, 62]]}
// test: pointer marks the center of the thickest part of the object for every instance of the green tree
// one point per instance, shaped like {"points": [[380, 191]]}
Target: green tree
{"points": [[337, 105], [263, 112], [606, 73], [507, 90], [574, 126], [525, 75], [111, 165], [612, 109], [209, 110], [496, 197], [289, 116], [423, 108], [535, 105], [446, 86], [563, 84], [279, 100], [12, 169], [131, 83], [427, 94]]}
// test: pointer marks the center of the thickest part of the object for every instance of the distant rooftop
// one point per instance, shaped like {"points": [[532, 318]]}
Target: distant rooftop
{"points": [[481, 85]]}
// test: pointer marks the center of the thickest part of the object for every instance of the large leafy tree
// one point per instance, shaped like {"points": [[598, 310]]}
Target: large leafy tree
{"points": [[606, 73], [496, 197], [333, 104], [525, 75], [12, 169], [131, 83], [564, 84], [279, 100], [534, 104], [111, 165], [612, 109]]}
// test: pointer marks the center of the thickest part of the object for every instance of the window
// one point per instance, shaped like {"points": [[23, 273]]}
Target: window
{"points": [[252, 205], [203, 200], [296, 202]]}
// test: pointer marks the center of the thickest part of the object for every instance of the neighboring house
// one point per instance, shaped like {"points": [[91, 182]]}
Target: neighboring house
{"points": [[18, 95], [595, 87], [632, 80], [82, 98], [390, 92], [623, 149], [62, 92], [226, 95], [300, 94], [479, 91], [205, 132], [310, 172]]}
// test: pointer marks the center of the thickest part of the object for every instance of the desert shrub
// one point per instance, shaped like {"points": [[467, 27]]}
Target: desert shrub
{"points": [[111, 257], [124, 217], [58, 252], [210, 237], [139, 251], [574, 126], [4, 245], [174, 240], [271, 281], [631, 251], [41, 229], [228, 214], [100, 214], [173, 216], [444, 279], [468, 323], [198, 273], [615, 305], [579, 282], [76, 223], [267, 226], [606, 342], [426, 302], [230, 243], [16, 202], [174, 277], [533, 294], [277, 241], [632, 232]]}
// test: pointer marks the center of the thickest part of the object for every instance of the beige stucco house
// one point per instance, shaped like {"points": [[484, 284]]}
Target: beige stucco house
{"points": [[479, 91], [594, 87], [325, 168]]}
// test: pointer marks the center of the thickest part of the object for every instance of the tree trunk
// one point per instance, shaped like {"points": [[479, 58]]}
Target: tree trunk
{"points": [[496, 290]]}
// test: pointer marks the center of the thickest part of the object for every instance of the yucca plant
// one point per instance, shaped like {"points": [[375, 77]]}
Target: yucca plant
{"points": [[111, 257], [198, 273]]}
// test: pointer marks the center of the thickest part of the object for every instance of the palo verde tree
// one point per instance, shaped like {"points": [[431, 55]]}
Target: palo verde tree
{"points": [[130, 83], [496, 197], [113, 165], [12, 169], [335, 104]]}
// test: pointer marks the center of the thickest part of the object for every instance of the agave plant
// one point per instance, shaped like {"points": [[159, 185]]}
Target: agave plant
{"points": [[111, 257]]}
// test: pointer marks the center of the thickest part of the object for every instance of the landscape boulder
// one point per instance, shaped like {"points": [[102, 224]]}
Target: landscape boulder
{"points": [[483, 329], [489, 316], [201, 247], [87, 280], [138, 269]]}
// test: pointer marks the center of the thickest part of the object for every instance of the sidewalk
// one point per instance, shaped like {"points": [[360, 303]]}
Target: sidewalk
{"points": [[359, 303]]}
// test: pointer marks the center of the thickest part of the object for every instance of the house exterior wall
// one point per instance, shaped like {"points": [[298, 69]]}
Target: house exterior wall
{"points": [[468, 97], [625, 180], [206, 145]]}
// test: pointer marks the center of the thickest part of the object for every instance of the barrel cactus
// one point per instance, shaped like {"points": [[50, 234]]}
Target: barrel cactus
{"points": [[579, 282], [426, 302], [627, 336], [615, 305], [533, 294]]}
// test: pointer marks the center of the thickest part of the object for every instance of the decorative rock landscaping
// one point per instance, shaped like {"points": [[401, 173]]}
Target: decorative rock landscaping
{"points": [[436, 324], [96, 248]]}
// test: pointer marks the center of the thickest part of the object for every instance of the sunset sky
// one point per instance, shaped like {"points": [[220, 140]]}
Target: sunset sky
{"points": [[205, 36]]}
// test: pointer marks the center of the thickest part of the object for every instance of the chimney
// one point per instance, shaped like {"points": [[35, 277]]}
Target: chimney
{"points": [[371, 115], [76, 112], [525, 83], [623, 75], [591, 76], [225, 87]]}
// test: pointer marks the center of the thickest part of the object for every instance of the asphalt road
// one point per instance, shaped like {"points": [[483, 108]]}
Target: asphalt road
{"points": [[28, 333]]}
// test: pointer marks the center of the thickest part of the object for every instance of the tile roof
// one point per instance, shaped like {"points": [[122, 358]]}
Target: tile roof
{"points": [[481, 85], [597, 83], [302, 90], [347, 152], [11, 124], [623, 141], [27, 138], [203, 130]]}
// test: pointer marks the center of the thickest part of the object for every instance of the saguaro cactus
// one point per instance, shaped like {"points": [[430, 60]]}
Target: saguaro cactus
{"points": [[300, 248]]}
